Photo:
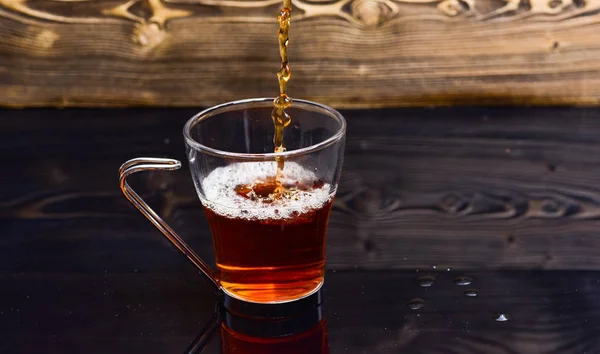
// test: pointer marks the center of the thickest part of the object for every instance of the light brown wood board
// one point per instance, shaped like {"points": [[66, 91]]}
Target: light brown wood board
{"points": [[346, 53]]}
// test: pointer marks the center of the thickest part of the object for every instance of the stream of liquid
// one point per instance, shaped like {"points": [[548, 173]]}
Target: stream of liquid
{"points": [[273, 188], [280, 117]]}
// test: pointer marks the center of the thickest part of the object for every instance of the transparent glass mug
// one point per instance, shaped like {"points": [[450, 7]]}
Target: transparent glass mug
{"points": [[267, 250]]}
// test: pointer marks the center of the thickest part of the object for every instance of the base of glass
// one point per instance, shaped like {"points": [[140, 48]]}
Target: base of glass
{"points": [[242, 307]]}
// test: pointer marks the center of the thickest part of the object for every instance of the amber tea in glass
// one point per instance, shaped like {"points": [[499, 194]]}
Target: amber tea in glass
{"points": [[268, 229]]}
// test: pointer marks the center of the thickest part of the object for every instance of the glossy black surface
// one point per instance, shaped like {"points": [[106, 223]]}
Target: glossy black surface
{"points": [[82, 272], [546, 312]]}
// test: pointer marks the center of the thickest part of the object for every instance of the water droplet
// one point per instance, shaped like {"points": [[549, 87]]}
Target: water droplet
{"points": [[415, 304], [426, 281], [471, 292], [502, 317], [462, 281]]}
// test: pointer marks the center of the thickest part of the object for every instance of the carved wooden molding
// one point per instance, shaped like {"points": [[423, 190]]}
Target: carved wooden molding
{"points": [[362, 13]]}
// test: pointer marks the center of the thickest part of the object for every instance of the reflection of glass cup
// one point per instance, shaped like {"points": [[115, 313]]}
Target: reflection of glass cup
{"points": [[295, 327], [267, 249], [304, 334]]}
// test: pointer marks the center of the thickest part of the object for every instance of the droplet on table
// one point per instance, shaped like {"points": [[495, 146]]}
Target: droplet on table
{"points": [[502, 317], [415, 304], [426, 281], [471, 292], [462, 281]]}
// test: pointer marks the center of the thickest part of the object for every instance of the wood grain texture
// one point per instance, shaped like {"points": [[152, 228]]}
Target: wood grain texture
{"points": [[347, 53], [450, 188]]}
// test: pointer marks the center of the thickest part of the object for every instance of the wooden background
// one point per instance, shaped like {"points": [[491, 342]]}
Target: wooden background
{"points": [[461, 188], [347, 53]]}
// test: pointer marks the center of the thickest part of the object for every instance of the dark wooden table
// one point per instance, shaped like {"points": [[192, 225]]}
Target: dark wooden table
{"points": [[507, 197]]}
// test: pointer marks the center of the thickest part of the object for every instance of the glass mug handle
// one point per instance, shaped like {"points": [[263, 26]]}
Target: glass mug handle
{"points": [[152, 164]]}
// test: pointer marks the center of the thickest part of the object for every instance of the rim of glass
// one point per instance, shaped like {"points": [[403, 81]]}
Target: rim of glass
{"points": [[253, 103]]}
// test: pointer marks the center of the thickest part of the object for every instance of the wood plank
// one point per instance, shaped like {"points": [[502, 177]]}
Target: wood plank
{"points": [[347, 53], [536, 304], [366, 312], [451, 188], [72, 313]]}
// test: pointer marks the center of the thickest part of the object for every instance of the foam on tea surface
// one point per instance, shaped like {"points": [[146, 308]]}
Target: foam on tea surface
{"points": [[305, 192]]}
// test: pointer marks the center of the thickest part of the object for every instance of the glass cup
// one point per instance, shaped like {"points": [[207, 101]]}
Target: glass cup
{"points": [[268, 233]]}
